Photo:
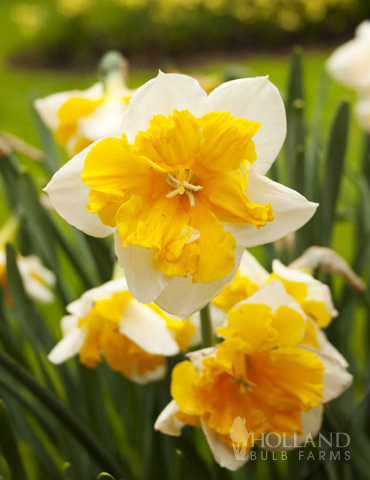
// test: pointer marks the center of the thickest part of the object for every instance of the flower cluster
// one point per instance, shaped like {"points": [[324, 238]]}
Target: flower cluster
{"points": [[181, 184]]}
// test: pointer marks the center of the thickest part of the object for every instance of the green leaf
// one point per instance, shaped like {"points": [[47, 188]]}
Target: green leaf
{"points": [[30, 320], [295, 105], [105, 476], [365, 164], [51, 160], [333, 171], [69, 421], [9, 446], [315, 140], [10, 174]]}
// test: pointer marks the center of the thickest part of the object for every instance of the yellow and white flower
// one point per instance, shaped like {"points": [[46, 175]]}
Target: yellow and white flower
{"points": [[349, 64], [79, 117], [133, 338], [269, 373], [37, 279], [313, 296], [184, 189]]}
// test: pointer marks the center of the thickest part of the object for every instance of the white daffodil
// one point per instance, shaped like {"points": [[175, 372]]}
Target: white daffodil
{"points": [[183, 190], [313, 296], [37, 279], [268, 378], [134, 339], [79, 117], [349, 64]]}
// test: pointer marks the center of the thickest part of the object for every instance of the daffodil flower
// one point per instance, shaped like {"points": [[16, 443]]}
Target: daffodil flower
{"points": [[134, 339], [79, 117], [183, 190], [267, 374], [349, 64], [313, 296], [37, 279]]}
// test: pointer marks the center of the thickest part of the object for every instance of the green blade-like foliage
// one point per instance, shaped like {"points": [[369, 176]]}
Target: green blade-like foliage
{"points": [[9, 446], [334, 170]]}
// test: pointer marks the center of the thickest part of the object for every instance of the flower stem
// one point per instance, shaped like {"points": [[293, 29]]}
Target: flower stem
{"points": [[206, 326], [97, 451]]}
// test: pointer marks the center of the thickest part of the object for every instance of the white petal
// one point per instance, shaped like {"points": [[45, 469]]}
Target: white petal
{"points": [[253, 270], [161, 96], [69, 196], [167, 422], [221, 451], [182, 297], [146, 328], [68, 323], [363, 30], [144, 280], [83, 305], [36, 278], [32, 264], [104, 121], [149, 376], [259, 100], [328, 349], [291, 211], [311, 423], [349, 64], [291, 274], [336, 378], [68, 346], [274, 295], [37, 291]]}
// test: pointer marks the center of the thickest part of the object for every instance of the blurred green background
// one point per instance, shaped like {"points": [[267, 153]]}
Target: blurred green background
{"points": [[53, 45]]}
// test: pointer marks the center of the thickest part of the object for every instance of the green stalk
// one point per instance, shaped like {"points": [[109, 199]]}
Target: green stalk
{"points": [[206, 326], [95, 450]]}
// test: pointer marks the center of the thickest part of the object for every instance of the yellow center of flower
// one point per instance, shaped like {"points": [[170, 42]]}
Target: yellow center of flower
{"points": [[183, 182], [174, 189], [259, 373]]}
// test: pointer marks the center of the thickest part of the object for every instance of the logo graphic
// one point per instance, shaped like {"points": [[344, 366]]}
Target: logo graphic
{"points": [[240, 438], [331, 447]]}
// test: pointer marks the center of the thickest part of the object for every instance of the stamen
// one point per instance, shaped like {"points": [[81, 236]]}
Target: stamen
{"points": [[183, 186]]}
